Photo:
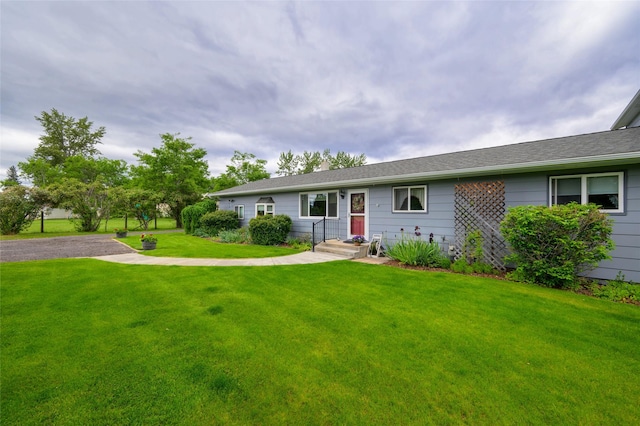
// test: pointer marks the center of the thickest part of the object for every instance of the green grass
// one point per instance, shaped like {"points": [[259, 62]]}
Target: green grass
{"points": [[89, 342], [182, 245], [65, 227]]}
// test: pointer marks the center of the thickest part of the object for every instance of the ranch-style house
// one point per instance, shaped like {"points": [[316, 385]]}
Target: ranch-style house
{"points": [[447, 195]]}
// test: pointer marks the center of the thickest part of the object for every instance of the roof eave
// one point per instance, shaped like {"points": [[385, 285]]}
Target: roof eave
{"points": [[629, 113], [600, 160]]}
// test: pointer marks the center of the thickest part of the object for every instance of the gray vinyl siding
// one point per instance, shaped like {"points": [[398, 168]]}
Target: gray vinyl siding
{"points": [[437, 220], [626, 233], [527, 189]]}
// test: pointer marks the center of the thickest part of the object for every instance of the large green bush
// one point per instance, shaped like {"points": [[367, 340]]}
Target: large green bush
{"points": [[221, 220], [19, 206], [552, 246], [270, 230], [192, 214]]}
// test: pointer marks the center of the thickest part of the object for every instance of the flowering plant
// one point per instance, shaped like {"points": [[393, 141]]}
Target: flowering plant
{"points": [[358, 239], [148, 238]]}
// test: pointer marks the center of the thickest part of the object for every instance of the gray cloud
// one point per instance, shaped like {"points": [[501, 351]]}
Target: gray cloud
{"points": [[392, 80]]}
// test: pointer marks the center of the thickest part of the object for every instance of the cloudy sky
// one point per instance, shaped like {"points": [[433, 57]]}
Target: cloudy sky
{"points": [[388, 79]]}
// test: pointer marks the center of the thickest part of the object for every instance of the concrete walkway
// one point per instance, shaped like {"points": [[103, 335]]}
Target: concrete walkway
{"points": [[106, 248], [294, 259]]}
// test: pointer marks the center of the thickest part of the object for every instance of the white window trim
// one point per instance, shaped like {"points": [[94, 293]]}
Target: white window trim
{"points": [[337, 191], [239, 207], [584, 196], [273, 212], [409, 188]]}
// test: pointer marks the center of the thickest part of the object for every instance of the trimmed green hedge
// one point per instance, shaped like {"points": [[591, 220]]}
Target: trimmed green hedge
{"points": [[222, 220], [191, 215], [270, 230]]}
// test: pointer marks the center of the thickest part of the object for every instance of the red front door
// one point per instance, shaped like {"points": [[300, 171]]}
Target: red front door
{"points": [[357, 212]]}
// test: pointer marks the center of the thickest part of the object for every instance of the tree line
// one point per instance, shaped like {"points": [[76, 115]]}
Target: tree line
{"points": [[68, 171]]}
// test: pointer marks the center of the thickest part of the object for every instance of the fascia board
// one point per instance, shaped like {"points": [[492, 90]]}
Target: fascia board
{"points": [[628, 114]]}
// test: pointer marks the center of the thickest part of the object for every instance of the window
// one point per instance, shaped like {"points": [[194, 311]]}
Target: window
{"points": [[319, 204], [264, 209], [410, 199], [603, 189], [265, 206], [239, 209]]}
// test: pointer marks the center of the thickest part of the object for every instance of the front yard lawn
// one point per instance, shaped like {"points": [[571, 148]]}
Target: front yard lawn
{"points": [[66, 228], [90, 342], [183, 245]]}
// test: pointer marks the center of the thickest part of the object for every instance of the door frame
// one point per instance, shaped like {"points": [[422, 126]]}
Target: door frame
{"points": [[365, 214]]}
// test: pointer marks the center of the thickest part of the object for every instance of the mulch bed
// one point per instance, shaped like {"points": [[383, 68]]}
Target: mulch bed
{"points": [[397, 264]]}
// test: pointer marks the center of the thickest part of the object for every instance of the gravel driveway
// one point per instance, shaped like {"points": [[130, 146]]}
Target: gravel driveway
{"points": [[61, 247]]}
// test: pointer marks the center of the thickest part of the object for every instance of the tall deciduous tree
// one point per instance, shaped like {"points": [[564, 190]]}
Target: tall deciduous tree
{"points": [[177, 170], [64, 137], [111, 172], [308, 162], [244, 168], [287, 164], [88, 201], [40, 172], [342, 160], [143, 205]]}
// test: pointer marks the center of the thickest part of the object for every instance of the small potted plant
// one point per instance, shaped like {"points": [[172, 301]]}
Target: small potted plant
{"points": [[121, 232], [358, 239], [148, 241]]}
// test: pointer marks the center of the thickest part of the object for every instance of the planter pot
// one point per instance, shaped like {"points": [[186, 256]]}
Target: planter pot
{"points": [[356, 243], [148, 246], [121, 234]]}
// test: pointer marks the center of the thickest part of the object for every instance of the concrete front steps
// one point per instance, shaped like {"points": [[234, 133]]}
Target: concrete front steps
{"points": [[348, 250]]}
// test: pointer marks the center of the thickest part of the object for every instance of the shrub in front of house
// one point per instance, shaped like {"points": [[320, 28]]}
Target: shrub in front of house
{"points": [[270, 230], [417, 252], [471, 260], [552, 246], [301, 242], [192, 214], [221, 220], [617, 290], [461, 266], [237, 236]]}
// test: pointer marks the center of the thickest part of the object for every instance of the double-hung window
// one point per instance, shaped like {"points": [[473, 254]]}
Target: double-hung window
{"points": [[410, 199], [319, 204], [239, 209], [604, 189]]}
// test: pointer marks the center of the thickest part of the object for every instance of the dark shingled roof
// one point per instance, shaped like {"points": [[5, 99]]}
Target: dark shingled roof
{"points": [[610, 147]]}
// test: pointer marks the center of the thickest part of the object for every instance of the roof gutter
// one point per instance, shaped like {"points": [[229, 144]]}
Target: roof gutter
{"points": [[620, 158]]}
